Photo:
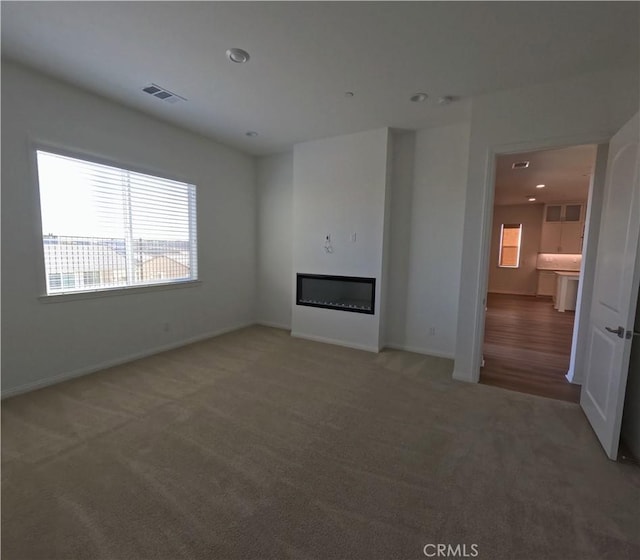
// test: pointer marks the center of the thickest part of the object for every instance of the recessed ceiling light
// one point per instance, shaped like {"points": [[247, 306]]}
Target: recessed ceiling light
{"points": [[237, 55], [348, 94], [540, 186], [419, 97], [446, 99], [531, 199], [251, 133]]}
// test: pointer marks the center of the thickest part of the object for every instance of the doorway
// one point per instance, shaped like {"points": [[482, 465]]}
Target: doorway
{"points": [[541, 200]]}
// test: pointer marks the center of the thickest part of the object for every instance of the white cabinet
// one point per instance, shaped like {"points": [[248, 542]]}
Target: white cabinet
{"points": [[566, 291], [562, 228], [571, 237], [564, 212], [546, 283]]}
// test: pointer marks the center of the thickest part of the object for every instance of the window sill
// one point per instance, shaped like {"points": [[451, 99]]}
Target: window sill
{"points": [[74, 296]]}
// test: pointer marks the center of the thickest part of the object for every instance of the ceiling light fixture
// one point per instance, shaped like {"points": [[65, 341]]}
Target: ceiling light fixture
{"points": [[540, 186], [419, 97], [251, 133], [237, 55], [531, 198], [520, 165]]}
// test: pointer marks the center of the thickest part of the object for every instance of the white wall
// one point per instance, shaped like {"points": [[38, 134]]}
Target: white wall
{"points": [[275, 239], [584, 109], [426, 207], [42, 342], [339, 188], [427, 218], [403, 164], [524, 279]]}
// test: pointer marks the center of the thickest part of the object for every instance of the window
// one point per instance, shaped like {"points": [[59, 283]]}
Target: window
{"points": [[91, 278], [510, 236], [68, 280], [55, 281], [105, 227]]}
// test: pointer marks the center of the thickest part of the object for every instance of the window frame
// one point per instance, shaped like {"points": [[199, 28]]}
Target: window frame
{"points": [[502, 246], [35, 145]]}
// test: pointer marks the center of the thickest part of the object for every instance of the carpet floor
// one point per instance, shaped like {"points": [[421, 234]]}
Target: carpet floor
{"points": [[256, 445]]}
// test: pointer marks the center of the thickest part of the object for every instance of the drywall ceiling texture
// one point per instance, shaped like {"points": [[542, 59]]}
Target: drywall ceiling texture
{"points": [[43, 341], [340, 189], [305, 55], [565, 172], [584, 110]]}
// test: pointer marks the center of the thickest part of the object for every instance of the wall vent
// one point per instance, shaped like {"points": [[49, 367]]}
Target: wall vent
{"points": [[162, 93], [520, 165]]}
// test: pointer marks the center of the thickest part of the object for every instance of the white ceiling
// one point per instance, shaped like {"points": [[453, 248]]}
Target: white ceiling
{"points": [[305, 55], [565, 172]]}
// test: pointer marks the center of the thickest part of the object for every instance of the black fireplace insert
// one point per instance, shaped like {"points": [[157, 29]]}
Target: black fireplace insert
{"points": [[346, 293]]}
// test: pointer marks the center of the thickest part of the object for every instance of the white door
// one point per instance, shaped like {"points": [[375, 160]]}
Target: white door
{"points": [[615, 290]]}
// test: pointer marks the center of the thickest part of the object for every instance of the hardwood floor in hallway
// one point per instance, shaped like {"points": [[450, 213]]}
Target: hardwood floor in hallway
{"points": [[527, 347]]}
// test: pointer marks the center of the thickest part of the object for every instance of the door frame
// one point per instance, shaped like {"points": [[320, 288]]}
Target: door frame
{"points": [[480, 296]]}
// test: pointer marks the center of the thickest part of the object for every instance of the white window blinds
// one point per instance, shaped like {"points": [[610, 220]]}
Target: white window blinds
{"points": [[105, 227]]}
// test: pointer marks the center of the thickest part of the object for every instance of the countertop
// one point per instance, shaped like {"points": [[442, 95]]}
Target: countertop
{"points": [[543, 269]]}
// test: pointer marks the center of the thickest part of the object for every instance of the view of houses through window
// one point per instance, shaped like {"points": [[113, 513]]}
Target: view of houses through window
{"points": [[105, 227]]}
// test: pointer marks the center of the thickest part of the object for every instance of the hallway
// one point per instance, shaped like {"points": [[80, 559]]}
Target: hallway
{"points": [[527, 346]]}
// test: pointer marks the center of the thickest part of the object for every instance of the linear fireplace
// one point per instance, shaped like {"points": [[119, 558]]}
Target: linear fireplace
{"points": [[346, 293]]}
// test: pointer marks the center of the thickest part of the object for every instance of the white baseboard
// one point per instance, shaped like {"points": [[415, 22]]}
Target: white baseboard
{"points": [[335, 342], [274, 325], [420, 350], [465, 376], [570, 377], [41, 383]]}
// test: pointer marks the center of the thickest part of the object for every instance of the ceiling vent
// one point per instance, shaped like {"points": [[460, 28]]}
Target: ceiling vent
{"points": [[520, 165], [162, 93]]}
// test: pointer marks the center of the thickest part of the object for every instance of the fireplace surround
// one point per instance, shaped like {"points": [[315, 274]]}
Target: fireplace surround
{"points": [[344, 293]]}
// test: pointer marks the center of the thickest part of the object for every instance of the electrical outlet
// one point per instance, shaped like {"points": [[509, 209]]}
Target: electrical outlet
{"points": [[432, 331]]}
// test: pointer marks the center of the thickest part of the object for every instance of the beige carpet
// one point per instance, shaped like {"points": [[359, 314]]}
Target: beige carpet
{"points": [[256, 445]]}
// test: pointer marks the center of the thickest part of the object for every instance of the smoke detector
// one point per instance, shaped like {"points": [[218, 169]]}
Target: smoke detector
{"points": [[520, 165], [163, 93]]}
